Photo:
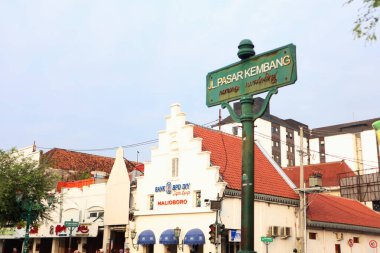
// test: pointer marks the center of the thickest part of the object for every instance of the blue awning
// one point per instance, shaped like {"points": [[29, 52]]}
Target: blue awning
{"points": [[167, 237], [146, 237], [194, 237]]}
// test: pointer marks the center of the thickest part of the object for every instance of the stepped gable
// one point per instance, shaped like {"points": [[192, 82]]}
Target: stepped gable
{"points": [[71, 160], [333, 209], [331, 172], [226, 152]]}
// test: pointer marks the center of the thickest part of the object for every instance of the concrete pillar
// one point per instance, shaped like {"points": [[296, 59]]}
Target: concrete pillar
{"points": [[106, 237], [83, 241], [55, 245], [36, 241]]}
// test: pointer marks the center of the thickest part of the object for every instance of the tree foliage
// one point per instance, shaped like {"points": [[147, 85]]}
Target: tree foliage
{"points": [[366, 22], [24, 185]]}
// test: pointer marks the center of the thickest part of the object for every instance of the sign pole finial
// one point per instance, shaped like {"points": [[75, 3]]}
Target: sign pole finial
{"points": [[245, 49]]}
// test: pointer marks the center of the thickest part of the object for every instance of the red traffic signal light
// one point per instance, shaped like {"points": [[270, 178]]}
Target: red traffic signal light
{"points": [[212, 233]]}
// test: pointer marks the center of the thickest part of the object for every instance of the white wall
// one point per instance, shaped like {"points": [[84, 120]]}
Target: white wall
{"points": [[194, 174], [326, 240], [341, 146], [370, 158], [117, 193], [265, 215]]}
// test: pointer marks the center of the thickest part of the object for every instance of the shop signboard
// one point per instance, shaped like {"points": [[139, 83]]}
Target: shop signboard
{"points": [[51, 230], [255, 75]]}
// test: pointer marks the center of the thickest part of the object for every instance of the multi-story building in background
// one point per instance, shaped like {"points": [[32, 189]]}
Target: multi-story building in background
{"points": [[353, 142]]}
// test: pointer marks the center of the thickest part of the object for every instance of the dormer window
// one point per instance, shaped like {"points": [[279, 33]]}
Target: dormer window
{"points": [[175, 167]]}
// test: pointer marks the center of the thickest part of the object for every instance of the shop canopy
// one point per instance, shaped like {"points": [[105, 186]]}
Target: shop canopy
{"points": [[194, 237], [146, 237], [167, 237]]}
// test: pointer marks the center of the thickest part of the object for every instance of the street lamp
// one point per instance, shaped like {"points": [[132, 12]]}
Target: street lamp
{"points": [[133, 236], [177, 233]]}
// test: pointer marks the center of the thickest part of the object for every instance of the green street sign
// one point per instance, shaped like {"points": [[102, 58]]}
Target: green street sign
{"points": [[255, 75], [71, 224], [266, 239]]}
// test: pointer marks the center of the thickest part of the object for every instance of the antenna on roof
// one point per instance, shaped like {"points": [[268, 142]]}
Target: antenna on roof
{"points": [[137, 159]]}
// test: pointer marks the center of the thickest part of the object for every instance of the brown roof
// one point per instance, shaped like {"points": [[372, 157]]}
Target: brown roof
{"points": [[330, 173], [77, 161], [351, 127], [226, 152]]}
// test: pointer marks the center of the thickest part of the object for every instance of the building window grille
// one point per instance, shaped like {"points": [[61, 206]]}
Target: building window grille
{"points": [[312, 236], [235, 130], [175, 167], [356, 239], [198, 198], [275, 129], [151, 202]]}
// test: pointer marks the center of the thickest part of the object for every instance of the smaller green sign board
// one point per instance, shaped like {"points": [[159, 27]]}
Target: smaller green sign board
{"points": [[266, 239], [71, 224], [255, 75]]}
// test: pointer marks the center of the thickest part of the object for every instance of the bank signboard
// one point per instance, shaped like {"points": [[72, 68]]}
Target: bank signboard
{"points": [[255, 75], [170, 194]]}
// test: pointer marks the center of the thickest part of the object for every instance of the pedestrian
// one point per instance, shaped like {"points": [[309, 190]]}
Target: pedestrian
{"points": [[127, 250], [14, 250]]}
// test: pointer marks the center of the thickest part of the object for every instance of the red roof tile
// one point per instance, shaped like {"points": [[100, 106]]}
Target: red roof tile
{"points": [[71, 160], [330, 172], [333, 209], [226, 152]]}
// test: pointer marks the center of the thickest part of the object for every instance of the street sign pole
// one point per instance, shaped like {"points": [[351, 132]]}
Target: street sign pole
{"points": [[247, 184], [71, 225], [252, 75], [267, 241]]}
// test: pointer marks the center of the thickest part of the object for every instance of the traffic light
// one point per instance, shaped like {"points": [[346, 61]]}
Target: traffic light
{"points": [[212, 233], [220, 229]]}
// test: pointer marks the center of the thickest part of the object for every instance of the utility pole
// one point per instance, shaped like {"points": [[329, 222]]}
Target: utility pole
{"points": [[302, 212]]}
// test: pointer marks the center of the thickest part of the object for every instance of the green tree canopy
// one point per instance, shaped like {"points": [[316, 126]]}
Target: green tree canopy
{"points": [[24, 184], [366, 22]]}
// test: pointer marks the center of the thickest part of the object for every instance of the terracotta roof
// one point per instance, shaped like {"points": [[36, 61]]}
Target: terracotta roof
{"points": [[71, 160], [226, 152], [333, 209], [330, 172]]}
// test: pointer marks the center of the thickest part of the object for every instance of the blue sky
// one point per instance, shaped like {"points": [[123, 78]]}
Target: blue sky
{"points": [[94, 74]]}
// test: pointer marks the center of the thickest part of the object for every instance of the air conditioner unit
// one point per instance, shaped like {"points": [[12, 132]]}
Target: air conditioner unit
{"points": [[284, 232], [339, 236], [273, 231]]}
